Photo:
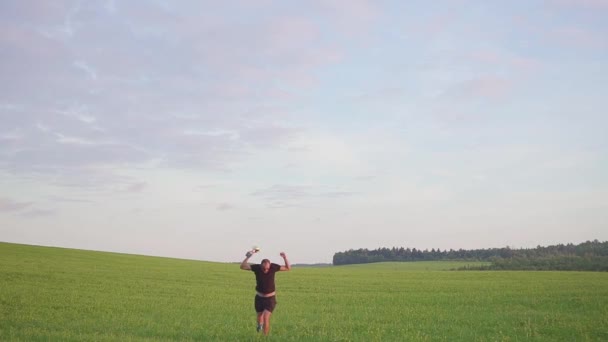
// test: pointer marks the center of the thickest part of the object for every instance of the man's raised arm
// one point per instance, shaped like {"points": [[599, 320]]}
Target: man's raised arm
{"points": [[245, 264], [287, 266]]}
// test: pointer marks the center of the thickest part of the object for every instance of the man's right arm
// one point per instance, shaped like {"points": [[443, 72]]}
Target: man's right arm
{"points": [[245, 264]]}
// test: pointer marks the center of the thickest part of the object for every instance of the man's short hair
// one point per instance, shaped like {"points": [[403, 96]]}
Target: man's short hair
{"points": [[264, 261]]}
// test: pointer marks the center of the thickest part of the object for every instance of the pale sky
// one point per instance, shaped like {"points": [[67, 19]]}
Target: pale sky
{"points": [[197, 129]]}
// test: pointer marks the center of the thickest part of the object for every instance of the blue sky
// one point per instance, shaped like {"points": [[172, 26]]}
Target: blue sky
{"points": [[194, 129]]}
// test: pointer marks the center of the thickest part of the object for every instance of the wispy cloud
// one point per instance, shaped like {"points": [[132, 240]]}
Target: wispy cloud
{"points": [[284, 192], [486, 87], [514, 63], [434, 24], [578, 37], [352, 17], [283, 195], [37, 213], [8, 205], [586, 4], [60, 199], [136, 187], [225, 206], [110, 6], [89, 71]]}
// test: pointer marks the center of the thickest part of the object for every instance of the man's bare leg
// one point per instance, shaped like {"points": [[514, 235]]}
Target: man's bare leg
{"points": [[266, 317]]}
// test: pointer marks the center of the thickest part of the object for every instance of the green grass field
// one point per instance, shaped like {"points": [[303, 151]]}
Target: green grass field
{"points": [[53, 294]]}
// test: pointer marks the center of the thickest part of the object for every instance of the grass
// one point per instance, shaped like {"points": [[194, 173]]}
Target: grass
{"points": [[49, 294]]}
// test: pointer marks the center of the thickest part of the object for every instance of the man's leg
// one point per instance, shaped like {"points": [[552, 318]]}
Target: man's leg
{"points": [[260, 321], [266, 321], [259, 309]]}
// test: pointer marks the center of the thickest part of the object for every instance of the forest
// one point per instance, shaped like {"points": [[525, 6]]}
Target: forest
{"points": [[586, 256]]}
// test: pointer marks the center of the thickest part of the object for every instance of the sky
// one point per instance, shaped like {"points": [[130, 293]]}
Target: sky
{"points": [[198, 129]]}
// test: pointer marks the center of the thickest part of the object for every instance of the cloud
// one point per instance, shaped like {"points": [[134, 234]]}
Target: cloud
{"points": [[365, 178], [484, 87], [65, 153], [45, 13], [284, 195], [284, 192], [69, 200], [525, 63], [498, 59], [585, 4], [82, 108], [36, 213], [269, 134], [491, 87], [110, 6], [383, 95], [434, 24], [8, 205], [578, 37], [225, 206], [89, 71], [24, 209], [324, 150], [289, 34], [136, 187], [28, 57], [352, 16], [206, 187]]}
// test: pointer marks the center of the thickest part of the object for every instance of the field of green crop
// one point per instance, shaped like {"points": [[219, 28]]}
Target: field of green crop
{"points": [[52, 294]]}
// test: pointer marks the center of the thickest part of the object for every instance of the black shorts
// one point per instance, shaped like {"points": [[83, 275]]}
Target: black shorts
{"points": [[265, 303]]}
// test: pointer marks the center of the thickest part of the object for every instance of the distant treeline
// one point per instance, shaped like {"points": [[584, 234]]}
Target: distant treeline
{"points": [[586, 256]]}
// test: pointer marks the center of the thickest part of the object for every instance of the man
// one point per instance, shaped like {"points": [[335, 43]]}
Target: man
{"points": [[265, 298]]}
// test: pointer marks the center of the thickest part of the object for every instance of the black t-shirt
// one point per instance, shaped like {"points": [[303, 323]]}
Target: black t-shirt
{"points": [[265, 281]]}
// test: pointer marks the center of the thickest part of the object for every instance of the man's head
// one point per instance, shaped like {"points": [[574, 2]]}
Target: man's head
{"points": [[265, 265]]}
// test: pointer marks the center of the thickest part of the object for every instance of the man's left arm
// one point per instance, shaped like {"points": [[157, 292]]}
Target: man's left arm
{"points": [[287, 265]]}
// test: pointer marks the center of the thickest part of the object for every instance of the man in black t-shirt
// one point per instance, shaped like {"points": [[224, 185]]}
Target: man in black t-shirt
{"points": [[265, 298]]}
